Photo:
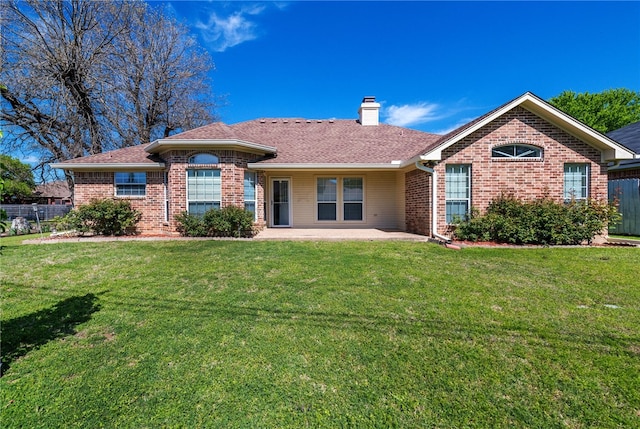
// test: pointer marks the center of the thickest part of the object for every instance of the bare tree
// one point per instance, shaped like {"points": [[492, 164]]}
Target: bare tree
{"points": [[80, 76]]}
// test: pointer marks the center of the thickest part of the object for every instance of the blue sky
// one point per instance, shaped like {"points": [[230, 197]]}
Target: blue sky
{"points": [[432, 65]]}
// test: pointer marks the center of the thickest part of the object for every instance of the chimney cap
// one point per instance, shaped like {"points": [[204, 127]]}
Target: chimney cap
{"points": [[369, 99]]}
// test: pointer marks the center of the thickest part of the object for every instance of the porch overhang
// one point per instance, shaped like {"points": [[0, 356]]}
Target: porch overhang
{"points": [[324, 166], [163, 145]]}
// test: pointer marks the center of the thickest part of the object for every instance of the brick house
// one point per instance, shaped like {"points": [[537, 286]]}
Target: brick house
{"points": [[360, 173]]}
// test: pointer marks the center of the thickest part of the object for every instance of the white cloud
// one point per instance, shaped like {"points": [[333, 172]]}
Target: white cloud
{"points": [[412, 114], [223, 32]]}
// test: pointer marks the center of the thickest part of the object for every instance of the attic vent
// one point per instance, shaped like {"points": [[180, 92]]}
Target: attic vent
{"points": [[262, 121], [319, 121], [285, 121], [308, 121], [331, 121], [298, 121], [273, 121]]}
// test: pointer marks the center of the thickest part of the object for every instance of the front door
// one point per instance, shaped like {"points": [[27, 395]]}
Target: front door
{"points": [[280, 203]]}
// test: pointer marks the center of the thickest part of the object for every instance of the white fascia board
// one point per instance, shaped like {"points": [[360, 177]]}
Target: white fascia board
{"points": [[344, 166], [208, 143], [610, 149], [109, 166]]}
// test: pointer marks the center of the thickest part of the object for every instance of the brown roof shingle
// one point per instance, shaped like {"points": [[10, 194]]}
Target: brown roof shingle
{"points": [[301, 141], [298, 141], [127, 155]]}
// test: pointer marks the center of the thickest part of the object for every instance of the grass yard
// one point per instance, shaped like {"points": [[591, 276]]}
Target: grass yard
{"points": [[318, 334]]}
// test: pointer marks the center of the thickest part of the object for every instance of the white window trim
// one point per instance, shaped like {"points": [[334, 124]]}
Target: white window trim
{"points": [[468, 199], [509, 157], [588, 180], [201, 201], [340, 199], [115, 185], [255, 193]]}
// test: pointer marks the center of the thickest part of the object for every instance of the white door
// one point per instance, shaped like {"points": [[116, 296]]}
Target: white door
{"points": [[280, 203]]}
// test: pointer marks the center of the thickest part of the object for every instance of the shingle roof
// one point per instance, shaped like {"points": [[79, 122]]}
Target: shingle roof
{"points": [[216, 130], [128, 155], [297, 141], [628, 136], [301, 141], [57, 188]]}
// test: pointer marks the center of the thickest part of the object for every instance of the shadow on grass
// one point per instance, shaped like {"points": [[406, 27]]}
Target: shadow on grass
{"points": [[26, 333]]}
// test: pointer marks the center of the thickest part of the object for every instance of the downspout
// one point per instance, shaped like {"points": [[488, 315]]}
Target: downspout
{"points": [[434, 201]]}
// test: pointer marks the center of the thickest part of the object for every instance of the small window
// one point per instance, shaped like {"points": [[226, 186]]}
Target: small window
{"points": [[203, 158], [457, 192], [576, 182], [516, 151], [250, 192], [327, 198], [352, 195], [131, 184]]}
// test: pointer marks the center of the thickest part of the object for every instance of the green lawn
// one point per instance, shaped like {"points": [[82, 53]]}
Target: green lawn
{"points": [[330, 334]]}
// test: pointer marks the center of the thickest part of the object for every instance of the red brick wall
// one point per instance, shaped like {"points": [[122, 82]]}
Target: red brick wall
{"points": [[527, 179], [232, 165], [417, 195], [98, 185]]}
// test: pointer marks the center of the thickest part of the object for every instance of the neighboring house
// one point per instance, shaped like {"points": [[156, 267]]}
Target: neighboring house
{"points": [[56, 192], [360, 173], [624, 181]]}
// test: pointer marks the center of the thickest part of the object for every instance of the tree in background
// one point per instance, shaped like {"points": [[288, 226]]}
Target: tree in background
{"points": [[81, 77], [604, 111], [17, 180]]}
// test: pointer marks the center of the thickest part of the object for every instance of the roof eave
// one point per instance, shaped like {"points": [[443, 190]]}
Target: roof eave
{"points": [[167, 144], [324, 166], [112, 166], [610, 149]]}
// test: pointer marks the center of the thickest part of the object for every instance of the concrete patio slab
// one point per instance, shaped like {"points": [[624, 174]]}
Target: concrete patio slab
{"points": [[317, 234]]}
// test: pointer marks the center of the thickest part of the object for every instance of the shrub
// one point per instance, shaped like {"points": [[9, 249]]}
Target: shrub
{"points": [[190, 225], [229, 221], [103, 217], [542, 221]]}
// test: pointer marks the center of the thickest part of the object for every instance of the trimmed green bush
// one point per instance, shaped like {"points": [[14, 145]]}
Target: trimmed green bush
{"points": [[104, 217], [229, 221], [541, 221]]}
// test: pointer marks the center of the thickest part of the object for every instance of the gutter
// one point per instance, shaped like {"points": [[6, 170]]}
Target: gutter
{"points": [[434, 201]]}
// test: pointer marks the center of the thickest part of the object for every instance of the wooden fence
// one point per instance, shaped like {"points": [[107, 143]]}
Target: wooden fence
{"points": [[627, 193]]}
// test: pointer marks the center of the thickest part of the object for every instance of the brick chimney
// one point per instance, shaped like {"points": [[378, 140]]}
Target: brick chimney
{"points": [[369, 111]]}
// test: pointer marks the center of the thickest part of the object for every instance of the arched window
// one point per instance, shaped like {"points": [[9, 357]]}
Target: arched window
{"points": [[516, 151], [203, 158]]}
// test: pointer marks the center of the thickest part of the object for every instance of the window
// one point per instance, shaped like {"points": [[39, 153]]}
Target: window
{"points": [[327, 198], [204, 190], [576, 179], [203, 158], [250, 192], [131, 184], [457, 191], [516, 151], [340, 198], [352, 196]]}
